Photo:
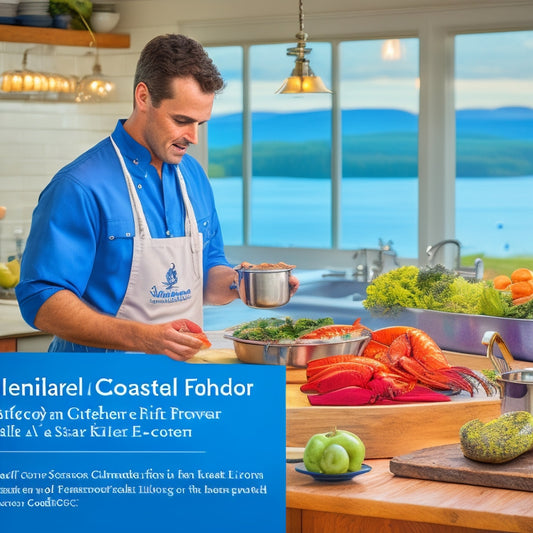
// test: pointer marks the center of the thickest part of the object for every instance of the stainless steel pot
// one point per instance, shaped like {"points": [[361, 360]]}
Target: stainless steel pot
{"points": [[264, 288], [516, 385], [517, 390]]}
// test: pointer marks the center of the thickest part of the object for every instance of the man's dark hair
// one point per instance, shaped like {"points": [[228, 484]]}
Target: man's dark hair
{"points": [[171, 56]]}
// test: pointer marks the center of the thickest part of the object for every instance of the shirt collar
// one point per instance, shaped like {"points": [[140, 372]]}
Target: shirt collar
{"points": [[129, 147], [134, 152]]}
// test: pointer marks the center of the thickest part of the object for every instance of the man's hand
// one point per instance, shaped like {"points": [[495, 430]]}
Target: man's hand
{"points": [[180, 339], [66, 316]]}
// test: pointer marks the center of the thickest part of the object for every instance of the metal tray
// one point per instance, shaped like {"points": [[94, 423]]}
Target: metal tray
{"points": [[296, 354], [463, 333]]}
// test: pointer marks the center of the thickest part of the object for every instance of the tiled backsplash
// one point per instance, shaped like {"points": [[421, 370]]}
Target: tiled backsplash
{"points": [[38, 138]]}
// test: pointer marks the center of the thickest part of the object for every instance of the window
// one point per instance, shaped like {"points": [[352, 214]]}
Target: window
{"points": [[225, 133], [340, 172], [379, 101], [291, 197], [494, 143]]}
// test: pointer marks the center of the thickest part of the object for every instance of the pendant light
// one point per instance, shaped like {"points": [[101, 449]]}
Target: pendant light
{"points": [[31, 84], [302, 79], [94, 87]]}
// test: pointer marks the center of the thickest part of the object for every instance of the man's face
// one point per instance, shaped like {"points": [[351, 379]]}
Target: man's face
{"points": [[173, 126]]}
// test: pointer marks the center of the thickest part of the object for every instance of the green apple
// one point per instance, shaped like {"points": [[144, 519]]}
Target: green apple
{"points": [[317, 445], [335, 459]]}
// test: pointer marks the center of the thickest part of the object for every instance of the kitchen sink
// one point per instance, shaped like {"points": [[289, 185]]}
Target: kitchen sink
{"points": [[334, 288]]}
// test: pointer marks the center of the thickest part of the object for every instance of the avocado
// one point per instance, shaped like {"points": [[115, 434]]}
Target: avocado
{"points": [[500, 440]]}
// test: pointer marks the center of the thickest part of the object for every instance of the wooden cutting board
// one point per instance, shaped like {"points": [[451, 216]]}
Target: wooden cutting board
{"points": [[447, 463]]}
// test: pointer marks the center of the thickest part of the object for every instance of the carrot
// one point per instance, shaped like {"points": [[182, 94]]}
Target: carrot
{"points": [[521, 274], [521, 289], [501, 282], [522, 300]]}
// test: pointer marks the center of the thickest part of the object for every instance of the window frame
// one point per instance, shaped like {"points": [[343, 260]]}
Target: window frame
{"points": [[435, 28]]}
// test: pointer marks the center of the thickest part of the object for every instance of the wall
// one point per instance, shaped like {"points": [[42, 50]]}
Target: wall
{"points": [[37, 138]]}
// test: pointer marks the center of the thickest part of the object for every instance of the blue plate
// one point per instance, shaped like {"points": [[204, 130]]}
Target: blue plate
{"points": [[43, 21], [318, 476]]}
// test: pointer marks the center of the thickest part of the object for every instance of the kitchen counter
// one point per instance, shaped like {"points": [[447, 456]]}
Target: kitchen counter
{"points": [[379, 501], [11, 322], [15, 334]]}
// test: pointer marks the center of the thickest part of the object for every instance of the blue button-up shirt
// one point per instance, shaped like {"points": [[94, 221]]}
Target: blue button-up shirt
{"points": [[81, 237]]}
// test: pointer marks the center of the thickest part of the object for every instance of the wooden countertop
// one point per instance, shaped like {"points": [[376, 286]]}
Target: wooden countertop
{"points": [[380, 494], [371, 501]]}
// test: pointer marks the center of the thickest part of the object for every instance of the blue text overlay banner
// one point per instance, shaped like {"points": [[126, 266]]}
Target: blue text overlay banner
{"points": [[135, 442]]}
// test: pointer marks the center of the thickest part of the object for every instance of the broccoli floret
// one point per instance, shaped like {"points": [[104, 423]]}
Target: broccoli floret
{"points": [[435, 286], [429, 275]]}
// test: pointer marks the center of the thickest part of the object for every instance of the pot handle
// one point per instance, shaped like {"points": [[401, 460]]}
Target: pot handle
{"points": [[504, 364]]}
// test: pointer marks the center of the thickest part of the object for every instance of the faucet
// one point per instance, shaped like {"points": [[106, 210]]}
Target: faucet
{"points": [[432, 250], [474, 273], [371, 262]]}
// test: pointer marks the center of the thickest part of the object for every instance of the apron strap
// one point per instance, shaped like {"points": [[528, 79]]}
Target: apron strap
{"points": [[190, 217], [141, 225]]}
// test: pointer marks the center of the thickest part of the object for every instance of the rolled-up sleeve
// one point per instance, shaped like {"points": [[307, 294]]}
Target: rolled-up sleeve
{"points": [[59, 253]]}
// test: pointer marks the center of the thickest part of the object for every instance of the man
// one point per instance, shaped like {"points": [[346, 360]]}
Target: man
{"points": [[125, 240]]}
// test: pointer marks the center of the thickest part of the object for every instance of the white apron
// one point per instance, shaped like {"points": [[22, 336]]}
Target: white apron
{"points": [[166, 280]]}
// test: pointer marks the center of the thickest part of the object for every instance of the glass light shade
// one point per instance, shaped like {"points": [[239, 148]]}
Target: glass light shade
{"points": [[28, 81], [302, 79], [95, 87], [303, 84]]}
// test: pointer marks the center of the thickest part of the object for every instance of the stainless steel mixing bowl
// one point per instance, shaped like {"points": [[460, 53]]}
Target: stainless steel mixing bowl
{"points": [[296, 354], [263, 289]]}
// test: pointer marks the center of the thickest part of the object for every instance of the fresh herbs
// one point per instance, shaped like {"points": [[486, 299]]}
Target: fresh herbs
{"points": [[278, 329], [439, 289]]}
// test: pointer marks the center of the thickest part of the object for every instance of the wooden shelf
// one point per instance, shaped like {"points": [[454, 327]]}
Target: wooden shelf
{"points": [[59, 37]]}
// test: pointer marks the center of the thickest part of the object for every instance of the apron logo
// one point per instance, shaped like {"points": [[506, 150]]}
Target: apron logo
{"points": [[172, 277], [170, 293]]}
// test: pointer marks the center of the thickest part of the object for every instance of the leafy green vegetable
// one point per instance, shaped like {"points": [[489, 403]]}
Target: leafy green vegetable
{"points": [[464, 297], [490, 374], [80, 10], [391, 292], [492, 302], [520, 311], [435, 285], [439, 289], [277, 329]]}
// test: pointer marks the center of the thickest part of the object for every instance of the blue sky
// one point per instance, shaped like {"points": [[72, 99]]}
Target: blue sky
{"points": [[492, 70]]}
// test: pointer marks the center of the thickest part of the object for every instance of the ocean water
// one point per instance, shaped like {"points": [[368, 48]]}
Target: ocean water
{"points": [[494, 216]]}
